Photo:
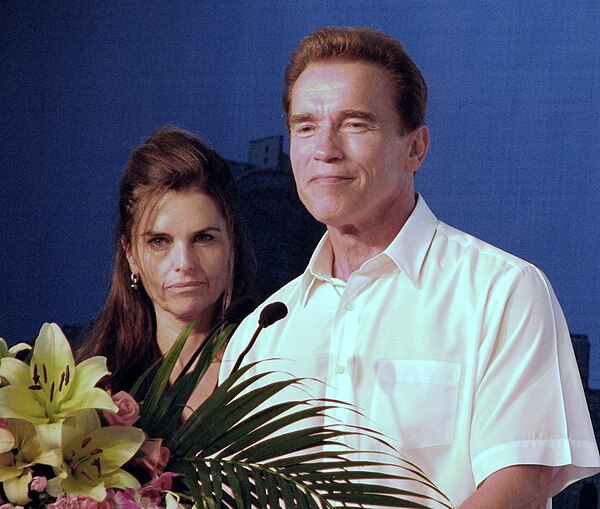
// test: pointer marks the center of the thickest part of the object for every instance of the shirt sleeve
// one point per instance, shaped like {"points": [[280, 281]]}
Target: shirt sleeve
{"points": [[529, 406]]}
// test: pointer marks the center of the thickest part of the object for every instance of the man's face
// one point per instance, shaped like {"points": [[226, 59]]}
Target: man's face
{"points": [[352, 166]]}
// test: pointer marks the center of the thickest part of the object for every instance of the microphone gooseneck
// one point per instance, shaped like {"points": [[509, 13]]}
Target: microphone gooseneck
{"points": [[270, 314]]}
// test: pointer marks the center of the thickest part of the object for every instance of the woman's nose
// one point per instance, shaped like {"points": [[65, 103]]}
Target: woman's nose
{"points": [[185, 258]]}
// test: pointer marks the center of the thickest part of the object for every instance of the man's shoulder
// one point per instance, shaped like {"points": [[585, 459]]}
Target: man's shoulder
{"points": [[459, 245]]}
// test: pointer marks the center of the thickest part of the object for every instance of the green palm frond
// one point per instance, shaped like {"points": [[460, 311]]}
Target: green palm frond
{"points": [[236, 452]]}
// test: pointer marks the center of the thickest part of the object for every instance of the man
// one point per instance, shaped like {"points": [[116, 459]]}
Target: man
{"points": [[454, 349]]}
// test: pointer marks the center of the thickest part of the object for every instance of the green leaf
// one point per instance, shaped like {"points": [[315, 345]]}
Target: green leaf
{"points": [[234, 456], [153, 398]]}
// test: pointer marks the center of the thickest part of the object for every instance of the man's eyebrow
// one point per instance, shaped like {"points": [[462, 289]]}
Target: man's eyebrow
{"points": [[364, 115], [299, 118]]}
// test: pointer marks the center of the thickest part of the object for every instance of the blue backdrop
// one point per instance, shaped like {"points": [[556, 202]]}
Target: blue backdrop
{"points": [[514, 115]]}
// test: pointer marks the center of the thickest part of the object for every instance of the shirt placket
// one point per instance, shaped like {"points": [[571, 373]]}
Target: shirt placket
{"points": [[343, 342]]}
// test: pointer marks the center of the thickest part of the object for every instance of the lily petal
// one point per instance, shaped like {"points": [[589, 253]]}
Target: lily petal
{"points": [[76, 487], [118, 443], [15, 349], [93, 459], [82, 422], [16, 489], [89, 371], [15, 372], [50, 435], [121, 479], [7, 440], [88, 399], [21, 403], [52, 364]]}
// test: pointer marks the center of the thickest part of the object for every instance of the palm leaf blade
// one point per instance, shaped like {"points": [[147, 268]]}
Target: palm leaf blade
{"points": [[235, 456]]}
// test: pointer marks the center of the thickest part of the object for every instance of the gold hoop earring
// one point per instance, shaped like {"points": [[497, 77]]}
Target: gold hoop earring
{"points": [[135, 279]]}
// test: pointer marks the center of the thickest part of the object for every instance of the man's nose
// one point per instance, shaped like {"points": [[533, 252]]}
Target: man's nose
{"points": [[329, 145]]}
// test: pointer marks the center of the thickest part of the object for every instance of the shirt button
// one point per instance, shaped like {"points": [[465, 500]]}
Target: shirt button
{"points": [[340, 369], [349, 306]]}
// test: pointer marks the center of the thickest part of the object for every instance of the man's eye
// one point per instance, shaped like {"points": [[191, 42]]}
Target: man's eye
{"points": [[304, 129], [355, 126]]}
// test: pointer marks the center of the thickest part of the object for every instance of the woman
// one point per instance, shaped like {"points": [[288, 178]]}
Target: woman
{"points": [[181, 256]]}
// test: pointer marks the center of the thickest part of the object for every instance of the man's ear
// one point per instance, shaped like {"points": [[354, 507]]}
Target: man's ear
{"points": [[129, 255], [419, 144]]}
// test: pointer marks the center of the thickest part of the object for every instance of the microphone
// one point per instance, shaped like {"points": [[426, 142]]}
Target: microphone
{"points": [[268, 316], [236, 312], [272, 313]]}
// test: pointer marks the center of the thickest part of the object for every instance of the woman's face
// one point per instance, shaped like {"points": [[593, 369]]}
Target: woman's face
{"points": [[181, 251]]}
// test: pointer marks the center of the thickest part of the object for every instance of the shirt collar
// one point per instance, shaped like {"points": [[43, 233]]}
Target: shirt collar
{"points": [[407, 250]]}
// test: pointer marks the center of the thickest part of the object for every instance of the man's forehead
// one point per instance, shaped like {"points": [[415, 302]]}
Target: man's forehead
{"points": [[320, 81], [341, 86]]}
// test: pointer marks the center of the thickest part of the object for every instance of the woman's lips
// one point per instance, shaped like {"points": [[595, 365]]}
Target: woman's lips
{"points": [[190, 285]]}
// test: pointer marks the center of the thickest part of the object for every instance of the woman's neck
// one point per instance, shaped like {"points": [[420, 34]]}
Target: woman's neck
{"points": [[168, 330], [166, 334]]}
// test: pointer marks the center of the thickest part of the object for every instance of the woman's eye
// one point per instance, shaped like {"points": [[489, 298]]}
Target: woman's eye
{"points": [[157, 242], [204, 237]]}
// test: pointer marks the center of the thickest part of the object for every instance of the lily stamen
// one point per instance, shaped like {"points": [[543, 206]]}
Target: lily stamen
{"points": [[96, 463]]}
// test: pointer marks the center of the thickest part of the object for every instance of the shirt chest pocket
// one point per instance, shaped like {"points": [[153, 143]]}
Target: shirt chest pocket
{"points": [[414, 402]]}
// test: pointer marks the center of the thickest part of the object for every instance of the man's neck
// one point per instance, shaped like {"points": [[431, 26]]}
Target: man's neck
{"points": [[353, 246]]}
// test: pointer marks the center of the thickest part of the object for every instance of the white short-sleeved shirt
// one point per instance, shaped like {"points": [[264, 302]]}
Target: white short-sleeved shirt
{"points": [[455, 350]]}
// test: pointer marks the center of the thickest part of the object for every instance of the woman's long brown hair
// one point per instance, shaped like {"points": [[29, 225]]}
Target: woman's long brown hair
{"points": [[171, 159]]}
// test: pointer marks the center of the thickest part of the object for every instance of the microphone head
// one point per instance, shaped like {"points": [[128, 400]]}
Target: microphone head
{"points": [[272, 313], [239, 309]]}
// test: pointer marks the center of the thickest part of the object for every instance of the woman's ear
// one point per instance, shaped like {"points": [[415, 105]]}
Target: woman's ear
{"points": [[126, 246]]}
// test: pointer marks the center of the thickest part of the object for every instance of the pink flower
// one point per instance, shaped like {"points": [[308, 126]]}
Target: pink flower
{"points": [[11, 506], [65, 502], [128, 413], [152, 489], [84, 502], [153, 456], [39, 483], [126, 499]]}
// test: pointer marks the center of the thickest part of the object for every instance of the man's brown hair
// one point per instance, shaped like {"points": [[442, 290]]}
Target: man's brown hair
{"points": [[336, 44]]}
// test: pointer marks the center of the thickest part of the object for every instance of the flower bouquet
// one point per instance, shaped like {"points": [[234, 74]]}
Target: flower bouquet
{"points": [[65, 443]]}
